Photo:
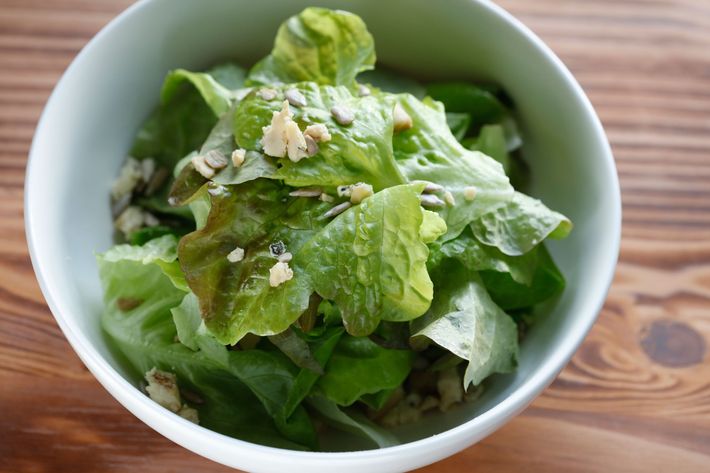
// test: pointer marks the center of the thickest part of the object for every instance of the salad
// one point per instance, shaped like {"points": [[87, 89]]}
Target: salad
{"points": [[313, 244]]}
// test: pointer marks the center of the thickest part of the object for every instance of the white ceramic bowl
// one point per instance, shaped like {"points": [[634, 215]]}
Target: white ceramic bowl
{"points": [[95, 110]]}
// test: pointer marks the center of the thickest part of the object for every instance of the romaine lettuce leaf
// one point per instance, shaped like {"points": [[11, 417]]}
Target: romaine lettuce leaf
{"points": [[480, 103], [320, 45], [518, 226], [428, 151], [464, 320], [371, 260], [491, 141], [359, 366], [359, 152], [393, 82]]}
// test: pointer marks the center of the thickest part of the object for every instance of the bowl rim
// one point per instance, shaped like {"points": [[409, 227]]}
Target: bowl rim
{"points": [[202, 440]]}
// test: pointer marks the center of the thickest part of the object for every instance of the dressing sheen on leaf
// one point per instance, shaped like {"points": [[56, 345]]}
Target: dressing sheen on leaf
{"points": [[429, 152], [359, 152], [371, 260], [464, 320], [319, 45]]}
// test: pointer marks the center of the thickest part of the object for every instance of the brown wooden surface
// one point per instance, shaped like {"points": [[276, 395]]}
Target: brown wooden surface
{"points": [[635, 398]]}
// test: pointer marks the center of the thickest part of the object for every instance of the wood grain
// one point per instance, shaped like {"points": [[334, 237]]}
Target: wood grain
{"points": [[635, 398]]}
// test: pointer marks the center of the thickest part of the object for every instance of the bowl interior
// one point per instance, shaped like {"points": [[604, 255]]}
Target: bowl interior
{"points": [[95, 111]]}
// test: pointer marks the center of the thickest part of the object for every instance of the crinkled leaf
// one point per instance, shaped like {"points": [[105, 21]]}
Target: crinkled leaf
{"points": [[428, 151], [352, 422], [518, 226], [359, 366], [479, 257], [319, 45], [432, 227], [464, 320], [236, 298], [371, 260], [216, 96], [547, 281], [359, 152], [138, 298]]}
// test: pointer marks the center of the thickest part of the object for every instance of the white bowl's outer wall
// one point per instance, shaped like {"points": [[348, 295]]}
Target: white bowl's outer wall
{"points": [[92, 116]]}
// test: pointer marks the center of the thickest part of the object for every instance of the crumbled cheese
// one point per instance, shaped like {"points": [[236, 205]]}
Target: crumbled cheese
{"points": [[295, 142], [127, 180], [238, 156], [283, 137], [318, 132], [285, 257], [236, 255], [189, 413], [130, 220], [279, 274], [450, 388], [449, 198], [150, 220], [469, 193], [267, 94], [162, 388], [148, 169], [402, 120], [202, 167], [326, 198], [343, 115], [360, 192], [312, 147]]}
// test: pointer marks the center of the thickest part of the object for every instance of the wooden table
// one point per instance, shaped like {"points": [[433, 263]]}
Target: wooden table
{"points": [[635, 398]]}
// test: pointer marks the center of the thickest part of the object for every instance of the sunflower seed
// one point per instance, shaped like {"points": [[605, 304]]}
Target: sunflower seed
{"points": [[306, 192], [202, 167], [337, 210], [363, 90], [431, 201], [295, 98], [311, 145], [267, 94], [285, 257], [449, 198], [238, 156], [402, 120], [159, 177], [343, 115], [430, 187], [216, 159], [326, 198]]}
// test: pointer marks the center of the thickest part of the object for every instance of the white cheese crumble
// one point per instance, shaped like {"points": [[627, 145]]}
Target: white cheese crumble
{"points": [[202, 167], [469, 193], [162, 388], [285, 257], [402, 120], [127, 180], [189, 413], [148, 169], [359, 192], [150, 220], [238, 156], [450, 388], [283, 137], [130, 220], [279, 274], [236, 255], [318, 132]]}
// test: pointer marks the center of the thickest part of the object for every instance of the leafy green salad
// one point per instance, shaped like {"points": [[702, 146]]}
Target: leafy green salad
{"points": [[316, 245]]}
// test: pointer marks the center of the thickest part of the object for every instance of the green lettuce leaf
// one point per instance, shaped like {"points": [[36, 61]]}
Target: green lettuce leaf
{"points": [[510, 294], [138, 299], [458, 124], [359, 366], [216, 96], [354, 422], [234, 297], [392, 82], [371, 261], [480, 103], [464, 320], [428, 151], [320, 45], [518, 226], [491, 141], [359, 152]]}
